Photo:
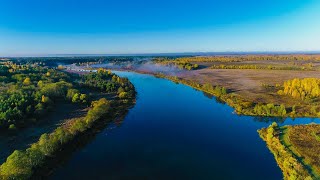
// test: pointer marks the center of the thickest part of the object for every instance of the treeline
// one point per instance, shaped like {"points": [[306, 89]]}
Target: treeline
{"points": [[22, 164], [245, 107], [270, 110], [252, 66], [28, 91], [307, 88], [241, 58], [186, 65], [291, 167], [178, 64]]}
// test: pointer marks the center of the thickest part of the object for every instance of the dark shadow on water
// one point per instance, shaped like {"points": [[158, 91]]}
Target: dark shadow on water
{"points": [[210, 96], [279, 120], [65, 154]]}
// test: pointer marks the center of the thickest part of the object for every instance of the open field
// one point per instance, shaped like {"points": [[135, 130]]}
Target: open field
{"points": [[308, 64], [246, 75], [247, 82]]}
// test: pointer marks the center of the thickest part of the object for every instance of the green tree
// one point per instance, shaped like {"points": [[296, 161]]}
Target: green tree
{"points": [[35, 155], [71, 93], [76, 98], [16, 166], [27, 81], [123, 95], [83, 98]]}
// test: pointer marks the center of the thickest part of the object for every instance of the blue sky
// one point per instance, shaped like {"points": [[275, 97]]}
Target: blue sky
{"points": [[41, 27]]}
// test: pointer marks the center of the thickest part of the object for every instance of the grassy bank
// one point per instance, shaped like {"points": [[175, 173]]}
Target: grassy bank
{"points": [[295, 148]]}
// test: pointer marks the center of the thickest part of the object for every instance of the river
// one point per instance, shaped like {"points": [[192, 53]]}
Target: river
{"points": [[176, 132]]}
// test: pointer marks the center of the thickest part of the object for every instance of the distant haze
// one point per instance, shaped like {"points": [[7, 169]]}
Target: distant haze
{"points": [[169, 54]]}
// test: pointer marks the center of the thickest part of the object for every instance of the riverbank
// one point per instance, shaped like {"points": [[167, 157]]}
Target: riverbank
{"points": [[295, 148], [116, 114], [241, 105], [24, 164], [36, 160]]}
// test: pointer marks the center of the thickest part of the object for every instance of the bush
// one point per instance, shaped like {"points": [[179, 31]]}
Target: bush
{"points": [[71, 93], [123, 95], [12, 127]]}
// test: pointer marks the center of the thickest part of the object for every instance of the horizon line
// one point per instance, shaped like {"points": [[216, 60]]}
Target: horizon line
{"points": [[165, 54]]}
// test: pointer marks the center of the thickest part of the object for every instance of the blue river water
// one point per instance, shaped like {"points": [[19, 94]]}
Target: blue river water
{"points": [[176, 132]]}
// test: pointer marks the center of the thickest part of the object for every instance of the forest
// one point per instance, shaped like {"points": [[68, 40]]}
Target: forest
{"points": [[31, 88], [304, 89], [105, 81], [29, 91]]}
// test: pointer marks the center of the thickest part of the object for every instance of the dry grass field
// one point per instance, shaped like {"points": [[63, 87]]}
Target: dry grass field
{"points": [[304, 141], [248, 82]]}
